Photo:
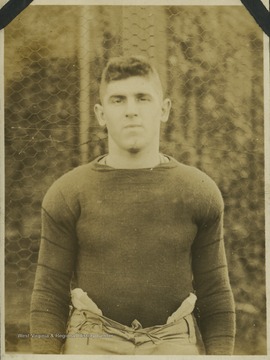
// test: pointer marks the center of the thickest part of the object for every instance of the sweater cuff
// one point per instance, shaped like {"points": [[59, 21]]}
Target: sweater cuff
{"points": [[220, 345], [48, 345]]}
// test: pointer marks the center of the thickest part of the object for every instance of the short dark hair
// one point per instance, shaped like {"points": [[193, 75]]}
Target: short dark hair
{"points": [[123, 67]]}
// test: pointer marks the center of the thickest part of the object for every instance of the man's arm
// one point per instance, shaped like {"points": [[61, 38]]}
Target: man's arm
{"points": [[211, 282], [51, 294]]}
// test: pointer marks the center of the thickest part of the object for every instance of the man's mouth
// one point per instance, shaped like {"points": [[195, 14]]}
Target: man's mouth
{"points": [[132, 126]]}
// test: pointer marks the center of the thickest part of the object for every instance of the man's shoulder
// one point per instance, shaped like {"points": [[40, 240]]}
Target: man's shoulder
{"points": [[197, 184], [72, 181], [192, 175], [73, 176], [78, 173]]}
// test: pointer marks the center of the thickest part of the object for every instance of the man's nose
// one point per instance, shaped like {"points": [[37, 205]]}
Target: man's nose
{"points": [[131, 108]]}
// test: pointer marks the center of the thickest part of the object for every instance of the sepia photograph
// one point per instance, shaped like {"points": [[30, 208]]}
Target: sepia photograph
{"points": [[135, 175]]}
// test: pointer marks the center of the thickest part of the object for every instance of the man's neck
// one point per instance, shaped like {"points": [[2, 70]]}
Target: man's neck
{"points": [[133, 161]]}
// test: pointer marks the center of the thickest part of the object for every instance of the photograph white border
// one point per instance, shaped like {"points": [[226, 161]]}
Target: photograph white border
{"points": [[267, 173]]}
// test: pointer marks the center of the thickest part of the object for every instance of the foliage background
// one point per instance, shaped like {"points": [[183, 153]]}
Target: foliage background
{"points": [[211, 63]]}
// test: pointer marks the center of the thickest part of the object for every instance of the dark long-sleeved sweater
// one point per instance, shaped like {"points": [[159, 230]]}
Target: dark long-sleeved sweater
{"points": [[138, 241]]}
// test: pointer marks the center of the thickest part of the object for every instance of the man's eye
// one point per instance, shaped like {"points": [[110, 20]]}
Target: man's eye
{"points": [[117, 100], [144, 98]]}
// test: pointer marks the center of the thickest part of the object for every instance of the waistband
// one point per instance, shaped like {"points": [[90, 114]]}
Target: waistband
{"points": [[86, 318], [82, 302]]}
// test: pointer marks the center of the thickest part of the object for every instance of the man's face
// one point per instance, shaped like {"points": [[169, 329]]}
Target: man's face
{"points": [[132, 110]]}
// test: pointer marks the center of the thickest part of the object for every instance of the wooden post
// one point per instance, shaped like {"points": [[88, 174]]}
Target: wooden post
{"points": [[84, 63]]}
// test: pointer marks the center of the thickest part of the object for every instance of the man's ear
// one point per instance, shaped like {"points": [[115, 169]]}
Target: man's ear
{"points": [[166, 107], [100, 114]]}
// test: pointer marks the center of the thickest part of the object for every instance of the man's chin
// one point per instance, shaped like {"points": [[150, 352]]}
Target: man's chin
{"points": [[134, 147], [134, 150]]}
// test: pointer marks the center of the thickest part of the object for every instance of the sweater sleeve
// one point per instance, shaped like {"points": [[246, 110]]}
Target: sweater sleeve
{"points": [[211, 281], [51, 293]]}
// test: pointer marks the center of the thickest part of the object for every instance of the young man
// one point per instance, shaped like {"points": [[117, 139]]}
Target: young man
{"points": [[141, 233]]}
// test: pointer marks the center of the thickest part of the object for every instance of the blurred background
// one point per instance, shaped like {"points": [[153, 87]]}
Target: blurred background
{"points": [[211, 64]]}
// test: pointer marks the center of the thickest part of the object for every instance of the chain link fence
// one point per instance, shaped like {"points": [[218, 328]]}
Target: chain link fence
{"points": [[211, 63]]}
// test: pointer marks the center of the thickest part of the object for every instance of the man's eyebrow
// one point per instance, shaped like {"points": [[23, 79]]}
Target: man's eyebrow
{"points": [[116, 96], [143, 94], [120, 96]]}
